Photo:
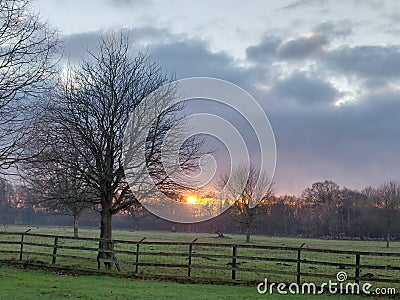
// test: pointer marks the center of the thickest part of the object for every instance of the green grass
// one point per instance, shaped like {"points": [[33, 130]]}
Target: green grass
{"points": [[37, 284], [379, 246]]}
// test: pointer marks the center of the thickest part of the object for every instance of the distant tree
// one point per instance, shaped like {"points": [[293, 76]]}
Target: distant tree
{"points": [[137, 212], [63, 193], [326, 197], [280, 214], [6, 200], [54, 186], [365, 219], [243, 211], [346, 208], [27, 51], [388, 200]]}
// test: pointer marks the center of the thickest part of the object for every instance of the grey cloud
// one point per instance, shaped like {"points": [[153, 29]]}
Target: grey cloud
{"points": [[366, 61], [272, 47], [151, 34], [77, 45], [176, 54], [354, 144], [190, 58], [302, 47], [373, 4], [393, 17], [374, 83], [301, 3], [123, 3], [304, 90], [335, 29], [264, 51]]}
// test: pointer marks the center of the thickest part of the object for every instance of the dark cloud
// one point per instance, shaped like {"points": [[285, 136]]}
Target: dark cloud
{"points": [[304, 90], [264, 51], [302, 47], [366, 61], [76, 46], [271, 47], [355, 144], [188, 58]]}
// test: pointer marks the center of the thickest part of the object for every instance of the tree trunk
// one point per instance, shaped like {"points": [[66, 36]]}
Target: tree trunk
{"points": [[247, 233], [136, 224], [76, 226], [106, 235], [348, 221], [388, 237]]}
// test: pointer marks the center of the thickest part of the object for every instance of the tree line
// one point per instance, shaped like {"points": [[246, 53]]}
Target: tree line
{"points": [[323, 210]]}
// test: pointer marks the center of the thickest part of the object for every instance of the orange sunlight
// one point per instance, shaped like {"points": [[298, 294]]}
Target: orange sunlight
{"points": [[191, 199]]}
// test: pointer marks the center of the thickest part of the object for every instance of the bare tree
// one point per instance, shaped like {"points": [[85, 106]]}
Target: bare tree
{"points": [[387, 198], [60, 190], [90, 114], [27, 49], [241, 187]]}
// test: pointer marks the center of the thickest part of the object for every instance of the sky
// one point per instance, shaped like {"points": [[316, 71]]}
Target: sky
{"points": [[327, 73]]}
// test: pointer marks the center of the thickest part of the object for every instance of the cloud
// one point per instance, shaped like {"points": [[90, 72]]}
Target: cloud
{"points": [[190, 57], [355, 144], [366, 61], [374, 83], [130, 3], [302, 47], [264, 51], [302, 3], [334, 29], [272, 48], [76, 46], [304, 90]]}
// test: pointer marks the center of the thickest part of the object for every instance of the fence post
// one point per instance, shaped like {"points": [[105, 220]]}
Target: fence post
{"points": [[190, 256], [55, 250], [298, 274], [357, 275], [137, 255], [234, 248], [21, 250]]}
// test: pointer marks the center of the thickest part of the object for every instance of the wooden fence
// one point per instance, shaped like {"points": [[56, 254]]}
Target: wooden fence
{"points": [[209, 261]]}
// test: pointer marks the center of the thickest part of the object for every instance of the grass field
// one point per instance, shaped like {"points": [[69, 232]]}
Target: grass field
{"points": [[378, 246], [202, 258], [37, 284]]}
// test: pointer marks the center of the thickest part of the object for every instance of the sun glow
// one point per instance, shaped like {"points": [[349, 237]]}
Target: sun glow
{"points": [[191, 199]]}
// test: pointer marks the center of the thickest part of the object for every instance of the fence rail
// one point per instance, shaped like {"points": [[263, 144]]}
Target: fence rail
{"points": [[212, 261]]}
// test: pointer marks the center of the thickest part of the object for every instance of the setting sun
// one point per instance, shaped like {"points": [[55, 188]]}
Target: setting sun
{"points": [[191, 199]]}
